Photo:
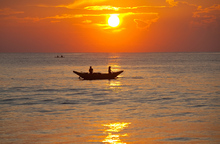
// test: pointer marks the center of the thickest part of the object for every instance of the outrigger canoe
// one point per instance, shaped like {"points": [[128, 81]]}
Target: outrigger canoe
{"points": [[97, 76]]}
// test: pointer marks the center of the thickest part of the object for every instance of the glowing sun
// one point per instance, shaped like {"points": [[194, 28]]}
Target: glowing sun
{"points": [[113, 20]]}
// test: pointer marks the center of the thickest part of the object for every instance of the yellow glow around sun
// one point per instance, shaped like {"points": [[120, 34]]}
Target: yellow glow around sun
{"points": [[113, 20]]}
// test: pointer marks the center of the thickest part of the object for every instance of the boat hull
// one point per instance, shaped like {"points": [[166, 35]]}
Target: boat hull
{"points": [[97, 76]]}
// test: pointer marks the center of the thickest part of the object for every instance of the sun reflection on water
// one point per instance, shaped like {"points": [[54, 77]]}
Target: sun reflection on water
{"points": [[114, 83], [113, 132]]}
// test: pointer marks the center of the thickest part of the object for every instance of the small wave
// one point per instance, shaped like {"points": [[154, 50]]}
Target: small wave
{"points": [[157, 99], [6, 100], [30, 103], [198, 121], [199, 106], [70, 102], [180, 139], [167, 98], [11, 100], [16, 89], [182, 114], [159, 115], [48, 90], [79, 89], [48, 100], [103, 103], [138, 77], [59, 90], [45, 111], [78, 93], [172, 115]]}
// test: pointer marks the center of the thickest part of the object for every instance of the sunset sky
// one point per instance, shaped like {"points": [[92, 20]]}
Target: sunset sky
{"points": [[82, 26]]}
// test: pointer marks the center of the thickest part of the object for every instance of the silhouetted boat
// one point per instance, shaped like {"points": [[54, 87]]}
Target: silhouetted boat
{"points": [[59, 56], [97, 76]]}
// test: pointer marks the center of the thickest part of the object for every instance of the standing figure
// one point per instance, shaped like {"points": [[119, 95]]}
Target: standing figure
{"points": [[109, 70], [91, 70]]}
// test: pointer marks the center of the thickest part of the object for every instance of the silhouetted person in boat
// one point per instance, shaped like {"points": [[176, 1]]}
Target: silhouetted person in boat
{"points": [[61, 56], [109, 70], [91, 70]]}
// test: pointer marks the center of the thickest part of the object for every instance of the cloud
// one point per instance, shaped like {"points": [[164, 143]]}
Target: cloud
{"points": [[143, 16], [53, 19], [140, 23], [145, 24], [108, 7], [23, 19], [171, 2], [87, 21], [97, 8], [9, 11], [63, 16], [78, 3], [209, 15]]}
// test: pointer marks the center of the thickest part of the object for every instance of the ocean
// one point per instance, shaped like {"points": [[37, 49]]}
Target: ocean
{"points": [[160, 98]]}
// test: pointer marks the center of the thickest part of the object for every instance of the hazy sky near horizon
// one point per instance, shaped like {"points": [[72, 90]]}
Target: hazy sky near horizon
{"points": [[82, 26]]}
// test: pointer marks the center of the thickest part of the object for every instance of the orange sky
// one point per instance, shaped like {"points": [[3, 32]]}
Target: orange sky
{"points": [[82, 26]]}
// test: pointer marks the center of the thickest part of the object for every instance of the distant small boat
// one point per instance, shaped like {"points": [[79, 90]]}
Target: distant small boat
{"points": [[97, 76], [59, 56]]}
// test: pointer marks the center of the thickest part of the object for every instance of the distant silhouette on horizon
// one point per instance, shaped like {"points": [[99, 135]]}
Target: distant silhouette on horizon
{"points": [[61, 56]]}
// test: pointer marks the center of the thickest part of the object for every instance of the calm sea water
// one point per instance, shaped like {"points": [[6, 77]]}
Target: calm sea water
{"points": [[160, 98]]}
